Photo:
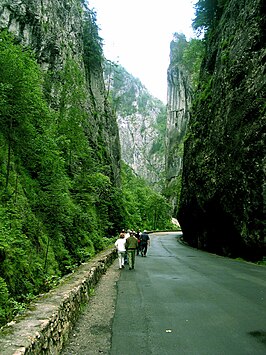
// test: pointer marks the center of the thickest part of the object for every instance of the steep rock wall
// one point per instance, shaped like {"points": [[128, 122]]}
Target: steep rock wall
{"points": [[141, 122], [179, 96], [222, 206], [54, 30]]}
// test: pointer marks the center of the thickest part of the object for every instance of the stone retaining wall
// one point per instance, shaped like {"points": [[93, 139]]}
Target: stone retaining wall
{"points": [[45, 326]]}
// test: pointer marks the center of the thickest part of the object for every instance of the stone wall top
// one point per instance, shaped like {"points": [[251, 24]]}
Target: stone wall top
{"points": [[43, 328]]}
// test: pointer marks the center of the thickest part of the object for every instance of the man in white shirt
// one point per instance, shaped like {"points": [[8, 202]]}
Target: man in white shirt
{"points": [[121, 249]]}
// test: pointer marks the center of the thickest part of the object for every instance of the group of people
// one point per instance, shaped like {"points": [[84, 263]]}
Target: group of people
{"points": [[129, 244]]}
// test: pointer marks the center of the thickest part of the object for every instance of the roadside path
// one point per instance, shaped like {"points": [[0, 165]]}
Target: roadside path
{"points": [[92, 333]]}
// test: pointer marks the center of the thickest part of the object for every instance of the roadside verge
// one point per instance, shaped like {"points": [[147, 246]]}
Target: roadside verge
{"points": [[46, 325]]}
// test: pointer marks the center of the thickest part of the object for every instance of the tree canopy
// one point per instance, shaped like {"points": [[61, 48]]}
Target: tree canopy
{"points": [[207, 13]]}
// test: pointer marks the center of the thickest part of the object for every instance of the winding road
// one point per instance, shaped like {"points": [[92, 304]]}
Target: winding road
{"points": [[180, 300]]}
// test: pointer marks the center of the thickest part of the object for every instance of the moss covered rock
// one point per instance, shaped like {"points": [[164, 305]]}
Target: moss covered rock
{"points": [[222, 207]]}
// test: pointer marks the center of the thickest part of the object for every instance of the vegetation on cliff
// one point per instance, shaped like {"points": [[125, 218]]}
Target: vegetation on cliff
{"points": [[183, 78], [57, 200], [208, 13], [187, 55], [144, 208], [61, 194], [222, 206]]}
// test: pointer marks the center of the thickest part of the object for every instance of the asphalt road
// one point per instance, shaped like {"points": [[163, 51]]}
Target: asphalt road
{"points": [[179, 300]]}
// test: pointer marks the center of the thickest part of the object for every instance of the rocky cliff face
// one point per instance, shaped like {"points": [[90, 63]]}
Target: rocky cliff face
{"points": [[179, 98], [222, 206], [56, 32], [141, 121]]}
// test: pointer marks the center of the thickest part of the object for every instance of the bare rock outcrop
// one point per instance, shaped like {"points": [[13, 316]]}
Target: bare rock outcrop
{"points": [[179, 98]]}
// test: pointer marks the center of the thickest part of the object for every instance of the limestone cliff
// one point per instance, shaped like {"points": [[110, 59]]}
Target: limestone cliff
{"points": [[64, 47], [222, 207], [141, 121], [179, 97]]}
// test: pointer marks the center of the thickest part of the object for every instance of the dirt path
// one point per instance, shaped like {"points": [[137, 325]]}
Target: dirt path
{"points": [[92, 332]]}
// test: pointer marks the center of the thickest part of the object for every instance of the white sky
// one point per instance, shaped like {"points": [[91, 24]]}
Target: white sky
{"points": [[137, 35]]}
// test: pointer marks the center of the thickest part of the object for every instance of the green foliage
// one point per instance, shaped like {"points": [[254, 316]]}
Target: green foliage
{"points": [[158, 146], [122, 89], [177, 46], [223, 168], [188, 55], [174, 189], [207, 13], [58, 202], [143, 207], [4, 294], [93, 53], [192, 59]]}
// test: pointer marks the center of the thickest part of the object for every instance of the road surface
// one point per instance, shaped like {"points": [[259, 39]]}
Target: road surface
{"points": [[180, 300]]}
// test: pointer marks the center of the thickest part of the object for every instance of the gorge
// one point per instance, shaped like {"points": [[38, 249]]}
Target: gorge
{"points": [[65, 193], [69, 119]]}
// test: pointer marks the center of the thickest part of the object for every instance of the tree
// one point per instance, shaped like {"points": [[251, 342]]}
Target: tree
{"points": [[188, 56], [207, 13], [144, 207]]}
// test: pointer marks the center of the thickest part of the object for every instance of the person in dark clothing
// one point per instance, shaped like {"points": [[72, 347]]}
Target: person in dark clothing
{"points": [[138, 235], [144, 243]]}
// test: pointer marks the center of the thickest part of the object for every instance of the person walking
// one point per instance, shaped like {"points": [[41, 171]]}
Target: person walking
{"points": [[127, 235], [144, 243], [120, 245], [138, 235], [131, 246]]}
